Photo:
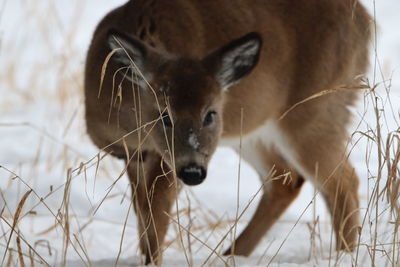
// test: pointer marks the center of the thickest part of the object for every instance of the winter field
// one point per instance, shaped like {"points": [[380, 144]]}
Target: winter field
{"points": [[62, 202]]}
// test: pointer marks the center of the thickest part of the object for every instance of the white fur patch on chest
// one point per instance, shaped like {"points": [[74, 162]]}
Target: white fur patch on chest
{"points": [[267, 137]]}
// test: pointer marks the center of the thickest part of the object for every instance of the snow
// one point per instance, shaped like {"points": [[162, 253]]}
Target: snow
{"points": [[44, 143]]}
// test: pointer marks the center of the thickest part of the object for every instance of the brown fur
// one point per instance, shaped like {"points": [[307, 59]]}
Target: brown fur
{"points": [[308, 46]]}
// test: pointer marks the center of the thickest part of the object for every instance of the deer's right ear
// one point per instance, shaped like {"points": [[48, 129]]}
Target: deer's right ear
{"points": [[131, 53]]}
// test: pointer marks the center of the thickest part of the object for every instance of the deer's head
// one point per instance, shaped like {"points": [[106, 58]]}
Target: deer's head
{"points": [[186, 94]]}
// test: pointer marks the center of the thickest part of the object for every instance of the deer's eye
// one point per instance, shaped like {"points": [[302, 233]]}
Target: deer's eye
{"points": [[166, 119], [209, 118]]}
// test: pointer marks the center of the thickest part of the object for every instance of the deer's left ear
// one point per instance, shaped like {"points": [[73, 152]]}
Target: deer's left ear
{"points": [[233, 61], [134, 55]]}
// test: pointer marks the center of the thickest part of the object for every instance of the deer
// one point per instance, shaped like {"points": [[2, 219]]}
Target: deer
{"points": [[167, 81]]}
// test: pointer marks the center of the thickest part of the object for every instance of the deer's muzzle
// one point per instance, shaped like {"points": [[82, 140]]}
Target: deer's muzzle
{"points": [[192, 174]]}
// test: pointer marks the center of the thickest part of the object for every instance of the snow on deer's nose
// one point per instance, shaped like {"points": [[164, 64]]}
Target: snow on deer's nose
{"points": [[193, 140]]}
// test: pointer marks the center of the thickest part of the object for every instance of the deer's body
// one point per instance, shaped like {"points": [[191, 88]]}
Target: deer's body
{"points": [[308, 46]]}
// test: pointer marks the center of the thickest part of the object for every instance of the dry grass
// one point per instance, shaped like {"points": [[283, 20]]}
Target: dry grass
{"points": [[40, 226]]}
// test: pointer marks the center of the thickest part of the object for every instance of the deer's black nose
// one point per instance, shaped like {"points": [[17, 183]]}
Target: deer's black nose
{"points": [[192, 174]]}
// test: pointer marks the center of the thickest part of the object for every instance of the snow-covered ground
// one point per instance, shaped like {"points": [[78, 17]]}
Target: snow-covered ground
{"points": [[43, 145]]}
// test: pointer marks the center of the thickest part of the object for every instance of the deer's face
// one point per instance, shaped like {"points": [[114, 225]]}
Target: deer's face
{"points": [[184, 97]]}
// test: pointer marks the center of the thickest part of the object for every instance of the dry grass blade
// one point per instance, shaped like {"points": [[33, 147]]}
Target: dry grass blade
{"points": [[322, 93], [15, 221], [20, 254], [123, 234], [271, 176], [213, 251], [88, 263], [288, 234], [238, 180], [10, 259], [65, 216], [104, 69], [43, 261], [31, 258]]}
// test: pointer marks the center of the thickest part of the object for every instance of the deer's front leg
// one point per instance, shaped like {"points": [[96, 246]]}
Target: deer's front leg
{"points": [[154, 190], [279, 194]]}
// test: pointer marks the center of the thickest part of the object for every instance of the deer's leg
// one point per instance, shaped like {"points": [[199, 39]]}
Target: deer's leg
{"points": [[339, 190], [322, 157], [279, 191], [154, 190]]}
